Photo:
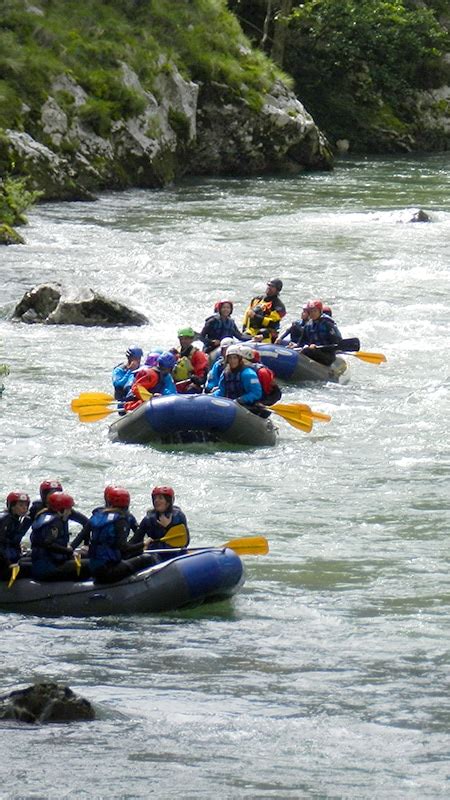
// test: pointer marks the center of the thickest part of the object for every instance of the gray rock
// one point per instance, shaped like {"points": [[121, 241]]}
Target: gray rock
{"points": [[234, 138], [53, 304], [420, 216], [45, 702]]}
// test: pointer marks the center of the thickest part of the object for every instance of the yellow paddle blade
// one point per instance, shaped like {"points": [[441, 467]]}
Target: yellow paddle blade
{"points": [[90, 398], [77, 560], [94, 413], [371, 358], [15, 569], [144, 394], [301, 421], [249, 546], [176, 536], [303, 409]]}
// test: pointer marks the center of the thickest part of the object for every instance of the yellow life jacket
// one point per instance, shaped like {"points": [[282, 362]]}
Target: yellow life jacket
{"points": [[183, 369]]}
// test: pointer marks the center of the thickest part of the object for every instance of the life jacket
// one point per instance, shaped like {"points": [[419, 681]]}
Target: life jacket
{"points": [[103, 547], [10, 536], [233, 383], [183, 368], [41, 556]]}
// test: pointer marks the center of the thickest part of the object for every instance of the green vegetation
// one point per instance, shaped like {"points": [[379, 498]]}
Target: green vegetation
{"points": [[89, 40], [14, 200], [358, 64]]}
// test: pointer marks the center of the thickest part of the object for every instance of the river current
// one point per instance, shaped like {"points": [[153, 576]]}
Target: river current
{"points": [[328, 675]]}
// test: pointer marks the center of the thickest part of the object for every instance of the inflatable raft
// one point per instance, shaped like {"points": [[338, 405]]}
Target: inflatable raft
{"points": [[294, 367], [189, 579], [182, 419]]}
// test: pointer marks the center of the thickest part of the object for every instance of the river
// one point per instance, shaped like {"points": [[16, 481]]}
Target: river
{"points": [[328, 676]]}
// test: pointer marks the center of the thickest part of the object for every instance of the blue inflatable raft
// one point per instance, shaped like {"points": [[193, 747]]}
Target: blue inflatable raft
{"points": [[182, 419], [294, 367], [190, 579]]}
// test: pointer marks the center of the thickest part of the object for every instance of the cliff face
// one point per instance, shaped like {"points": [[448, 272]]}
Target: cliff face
{"points": [[120, 111]]}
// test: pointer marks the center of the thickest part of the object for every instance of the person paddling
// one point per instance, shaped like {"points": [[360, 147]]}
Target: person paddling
{"points": [[51, 555], [162, 520], [11, 532], [321, 337], [156, 381], [295, 330], [111, 556], [239, 381]]}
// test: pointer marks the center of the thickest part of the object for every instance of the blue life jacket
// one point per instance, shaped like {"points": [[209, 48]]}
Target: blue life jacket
{"points": [[44, 560], [241, 383], [103, 548], [322, 331], [214, 374], [10, 536], [216, 327]]}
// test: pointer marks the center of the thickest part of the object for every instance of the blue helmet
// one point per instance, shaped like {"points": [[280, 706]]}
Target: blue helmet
{"points": [[167, 361], [134, 352]]}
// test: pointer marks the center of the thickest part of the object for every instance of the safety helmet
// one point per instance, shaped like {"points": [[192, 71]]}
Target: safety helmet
{"points": [[327, 310], [167, 361], [276, 283], [60, 501], [314, 304], [166, 491], [134, 352], [226, 342], [256, 357], [152, 357], [47, 487], [234, 350], [187, 332], [246, 352], [17, 497], [116, 497], [220, 303]]}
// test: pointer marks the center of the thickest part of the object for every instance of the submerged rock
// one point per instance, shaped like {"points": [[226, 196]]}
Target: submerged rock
{"points": [[45, 702], [52, 304]]}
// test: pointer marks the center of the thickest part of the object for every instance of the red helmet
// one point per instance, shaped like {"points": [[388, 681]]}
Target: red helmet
{"points": [[327, 310], [166, 491], [256, 357], [116, 497], [219, 304], [60, 501], [317, 304], [49, 486], [16, 497]]}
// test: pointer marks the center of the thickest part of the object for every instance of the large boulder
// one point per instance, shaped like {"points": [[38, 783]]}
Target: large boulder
{"points": [[54, 304], [233, 138], [45, 702]]}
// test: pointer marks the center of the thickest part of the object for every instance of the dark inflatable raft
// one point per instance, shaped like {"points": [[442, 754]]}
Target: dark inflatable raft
{"points": [[182, 419], [189, 579], [294, 367]]}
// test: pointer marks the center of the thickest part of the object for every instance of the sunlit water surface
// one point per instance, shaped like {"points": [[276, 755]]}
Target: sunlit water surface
{"points": [[328, 676]]}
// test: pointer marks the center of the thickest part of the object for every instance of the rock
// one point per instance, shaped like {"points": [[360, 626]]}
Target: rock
{"points": [[9, 236], [233, 138], [45, 702], [420, 216], [54, 305]]}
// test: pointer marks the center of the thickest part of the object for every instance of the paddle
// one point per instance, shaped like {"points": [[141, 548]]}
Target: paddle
{"points": [[247, 546], [353, 344], [15, 569], [302, 409], [94, 413], [371, 358], [177, 535]]}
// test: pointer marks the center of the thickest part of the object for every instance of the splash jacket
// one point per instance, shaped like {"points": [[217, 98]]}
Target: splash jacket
{"points": [[269, 312], [150, 526], [11, 534], [192, 361]]}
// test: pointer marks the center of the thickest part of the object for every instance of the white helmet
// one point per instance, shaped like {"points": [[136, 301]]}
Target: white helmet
{"points": [[226, 342], [246, 352], [234, 350]]}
